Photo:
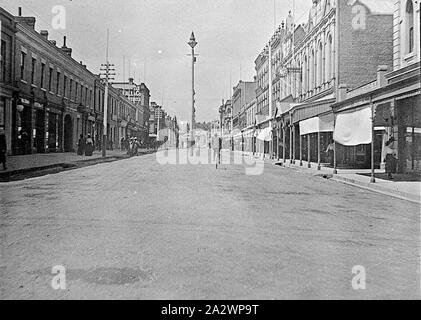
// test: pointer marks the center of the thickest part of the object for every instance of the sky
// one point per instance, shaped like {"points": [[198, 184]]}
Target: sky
{"points": [[149, 38]]}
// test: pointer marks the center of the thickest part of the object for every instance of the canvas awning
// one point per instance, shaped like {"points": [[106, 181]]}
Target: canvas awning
{"points": [[317, 124], [353, 128], [265, 134]]}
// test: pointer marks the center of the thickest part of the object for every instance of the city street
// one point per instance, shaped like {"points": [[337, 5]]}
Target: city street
{"points": [[136, 229]]}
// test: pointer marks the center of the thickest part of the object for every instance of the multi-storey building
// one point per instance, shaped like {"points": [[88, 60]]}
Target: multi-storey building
{"points": [[244, 92], [342, 42], [54, 100], [48, 99], [139, 95], [389, 105], [7, 76]]}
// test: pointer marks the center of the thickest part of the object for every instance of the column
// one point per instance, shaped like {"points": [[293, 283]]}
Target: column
{"points": [[318, 152], [301, 150], [46, 128], [293, 144], [290, 143], [283, 145], [373, 134], [308, 151]]}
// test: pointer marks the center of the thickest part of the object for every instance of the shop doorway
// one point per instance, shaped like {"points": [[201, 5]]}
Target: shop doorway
{"points": [[39, 131], [68, 134]]}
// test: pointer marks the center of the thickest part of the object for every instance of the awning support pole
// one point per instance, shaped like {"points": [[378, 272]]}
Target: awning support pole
{"points": [[283, 145], [293, 144], [301, 151], [373, 178], [290, 143], [309, 153], [335, 171], [318, 152]]}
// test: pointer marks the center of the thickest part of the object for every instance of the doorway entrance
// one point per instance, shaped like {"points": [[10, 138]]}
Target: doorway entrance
{"points": [[68, 134]]}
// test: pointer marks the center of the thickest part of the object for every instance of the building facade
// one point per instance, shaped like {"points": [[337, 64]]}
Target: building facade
{"points": [[139, 95], [390, 104], [48, 99], [342, 42], [7, 75]]}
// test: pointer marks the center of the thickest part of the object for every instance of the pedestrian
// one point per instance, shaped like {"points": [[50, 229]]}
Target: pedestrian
{"points": [[81, 145], [25, 142], [122, 142], [130, 147], [330, 153], [136, 146], [3, 149], [390, 160], [89, 148]]}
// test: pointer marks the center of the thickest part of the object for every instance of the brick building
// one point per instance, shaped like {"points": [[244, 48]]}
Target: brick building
{"points": [[48, 99], [7, 77]]}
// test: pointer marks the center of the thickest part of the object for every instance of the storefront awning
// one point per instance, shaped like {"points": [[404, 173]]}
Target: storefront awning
{"points": [[265, 134], [317, 124], [353, 128]]}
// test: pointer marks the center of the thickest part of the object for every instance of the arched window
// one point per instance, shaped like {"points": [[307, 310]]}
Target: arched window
{"points": [[305, 76], [320, 64], [312, 71], [410, 25], [328, 62]]}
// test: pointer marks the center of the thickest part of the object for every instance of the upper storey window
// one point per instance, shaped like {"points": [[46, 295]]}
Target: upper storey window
{"points": [[409, 15]]}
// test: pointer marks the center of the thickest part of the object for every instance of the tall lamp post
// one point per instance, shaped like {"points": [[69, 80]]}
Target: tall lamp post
{"points": [[192, 43]]}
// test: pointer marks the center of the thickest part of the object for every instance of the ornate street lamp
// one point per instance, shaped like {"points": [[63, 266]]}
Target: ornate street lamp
{"points": [[192, 43]]}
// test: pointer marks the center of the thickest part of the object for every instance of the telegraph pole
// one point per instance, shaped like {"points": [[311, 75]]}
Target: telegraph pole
{"points": [[107, 73]]}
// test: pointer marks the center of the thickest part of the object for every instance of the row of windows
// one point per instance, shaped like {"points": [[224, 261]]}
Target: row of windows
{"points": [[53, 81]]}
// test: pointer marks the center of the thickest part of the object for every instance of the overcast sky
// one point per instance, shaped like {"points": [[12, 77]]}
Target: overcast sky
{"points": [[153, 35]]}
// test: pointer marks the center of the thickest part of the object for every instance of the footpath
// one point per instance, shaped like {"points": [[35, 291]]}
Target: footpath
{"points": [[406, 190], [32, 165]]}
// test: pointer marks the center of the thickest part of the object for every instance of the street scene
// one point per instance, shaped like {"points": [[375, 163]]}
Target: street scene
{"points": [[198, 233], [210, 150]]}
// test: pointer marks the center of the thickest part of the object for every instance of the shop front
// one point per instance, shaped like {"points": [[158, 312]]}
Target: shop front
{"points": [[366, 121]]}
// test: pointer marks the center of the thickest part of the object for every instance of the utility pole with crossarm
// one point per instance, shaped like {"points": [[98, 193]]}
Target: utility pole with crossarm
{"points": [[107, 71]]}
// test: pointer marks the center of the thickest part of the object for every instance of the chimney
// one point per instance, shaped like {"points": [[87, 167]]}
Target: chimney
{"points": [[64, 48], [44, 33], [54, 42], [381, 75], [342, 92], [283, 24], [131, 80], [20, 11]]}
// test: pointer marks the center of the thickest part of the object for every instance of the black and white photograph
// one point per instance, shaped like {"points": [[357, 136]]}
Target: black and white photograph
{"points": [[227, 152]]}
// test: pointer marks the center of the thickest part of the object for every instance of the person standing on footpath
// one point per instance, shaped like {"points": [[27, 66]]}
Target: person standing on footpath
{"points": [[390, 160], [3, 149], [89, 148], [330, 153], [81, 145]]}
